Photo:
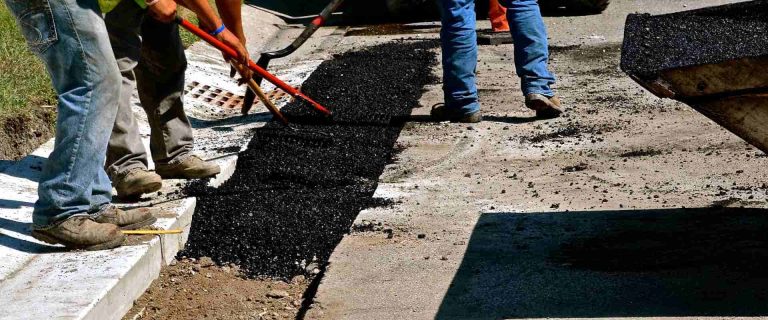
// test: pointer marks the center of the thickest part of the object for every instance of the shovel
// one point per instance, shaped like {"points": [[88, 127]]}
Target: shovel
{"points": [[251, 65]]}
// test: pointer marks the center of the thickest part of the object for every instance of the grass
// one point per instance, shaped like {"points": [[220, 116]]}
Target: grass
{"points": [[187, 38], [24, 82]]}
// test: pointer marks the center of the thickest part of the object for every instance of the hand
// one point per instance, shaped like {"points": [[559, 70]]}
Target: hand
{"points": [[163, 11], [243, 57]]}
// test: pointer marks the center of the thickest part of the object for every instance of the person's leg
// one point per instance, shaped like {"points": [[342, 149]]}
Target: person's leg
{"points": [[161, 88], [126, 156], [498, 16], [83, 71], [125, 150], [529, 35], [71, 39], [459, 47]]}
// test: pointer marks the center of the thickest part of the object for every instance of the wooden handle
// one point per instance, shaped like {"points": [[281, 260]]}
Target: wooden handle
{"points": [[260, 93]]}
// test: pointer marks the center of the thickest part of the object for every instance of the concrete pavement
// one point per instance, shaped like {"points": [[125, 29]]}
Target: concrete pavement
{"points": [[580, 216]]}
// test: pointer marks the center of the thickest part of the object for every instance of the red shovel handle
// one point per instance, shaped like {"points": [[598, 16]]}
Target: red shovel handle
{"points": [[263, 73]]}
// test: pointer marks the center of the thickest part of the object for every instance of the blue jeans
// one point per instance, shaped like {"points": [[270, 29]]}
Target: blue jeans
{"points": [[70, 37], [459, 44], [531, 46]]}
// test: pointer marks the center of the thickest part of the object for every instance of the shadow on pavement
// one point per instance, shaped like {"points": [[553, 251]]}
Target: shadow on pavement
{"points": [[14, 204], [229, 123], [639, 263], [28, 168], [22, 245]]}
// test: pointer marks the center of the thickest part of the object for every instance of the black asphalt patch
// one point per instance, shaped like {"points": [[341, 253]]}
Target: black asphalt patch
{"points": [[296, 191], [711, 35]]}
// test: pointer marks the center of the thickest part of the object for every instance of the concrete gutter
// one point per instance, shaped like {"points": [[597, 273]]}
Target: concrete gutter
{"points": [[40, 281]]}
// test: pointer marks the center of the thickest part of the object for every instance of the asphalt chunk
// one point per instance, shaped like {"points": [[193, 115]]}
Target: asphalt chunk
{"points": [[640, 153], [297, 190]]}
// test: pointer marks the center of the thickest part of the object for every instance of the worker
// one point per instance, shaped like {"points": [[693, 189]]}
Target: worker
{"points": [[150, 54], [497, 14], [459, 47], [74, 194]]}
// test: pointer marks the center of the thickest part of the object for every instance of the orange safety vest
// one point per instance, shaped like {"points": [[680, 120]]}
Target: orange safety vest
{"points": [[498, 16]]}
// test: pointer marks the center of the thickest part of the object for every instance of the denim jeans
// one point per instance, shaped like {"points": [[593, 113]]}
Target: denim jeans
{"points": [[148, 53], [70, 37], [459, 45], [529, 35]]}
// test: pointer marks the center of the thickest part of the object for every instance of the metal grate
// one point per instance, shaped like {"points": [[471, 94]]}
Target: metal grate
{"points": [[224, 99], [214, 96]]}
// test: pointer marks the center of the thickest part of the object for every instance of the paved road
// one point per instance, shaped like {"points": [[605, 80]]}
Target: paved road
{"points": [[576, 217]]}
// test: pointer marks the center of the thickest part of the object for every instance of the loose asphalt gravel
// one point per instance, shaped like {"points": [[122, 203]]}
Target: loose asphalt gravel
{"points": [[711, 35], [296, 191]]}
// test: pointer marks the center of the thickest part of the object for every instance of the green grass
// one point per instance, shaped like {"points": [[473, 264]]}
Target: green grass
{"points": [[24, 83], [187, 38]]}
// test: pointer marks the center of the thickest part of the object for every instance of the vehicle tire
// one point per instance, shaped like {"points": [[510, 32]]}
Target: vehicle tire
{"points": [[587, 6], [406, 9], [551, 5]]}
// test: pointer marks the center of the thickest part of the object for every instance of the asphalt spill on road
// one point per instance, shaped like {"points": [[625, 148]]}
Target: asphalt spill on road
{"points": [[296, 192]]}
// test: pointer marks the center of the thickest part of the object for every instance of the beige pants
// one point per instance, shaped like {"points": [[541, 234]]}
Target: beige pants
{"points": [[150, 55]]}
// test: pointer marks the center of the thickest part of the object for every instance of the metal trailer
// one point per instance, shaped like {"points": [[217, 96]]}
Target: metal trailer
{"points": [[713, 59]]}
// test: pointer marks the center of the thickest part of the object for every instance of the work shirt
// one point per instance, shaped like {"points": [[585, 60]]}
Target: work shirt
{"points": [[108, 5]]}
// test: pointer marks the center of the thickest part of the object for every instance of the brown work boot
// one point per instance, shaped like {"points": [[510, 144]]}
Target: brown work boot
{"points": [[135, 182], [191, 167], [126, 220], [80, 232], [441, 113], [546, 107]]}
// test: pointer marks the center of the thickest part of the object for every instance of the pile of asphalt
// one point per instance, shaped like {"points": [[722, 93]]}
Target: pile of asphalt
{"points": [[296, 191], [653, 44]]}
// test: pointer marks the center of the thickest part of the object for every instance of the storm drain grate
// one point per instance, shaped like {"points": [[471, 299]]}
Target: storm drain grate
{"points": [[224, 99]]}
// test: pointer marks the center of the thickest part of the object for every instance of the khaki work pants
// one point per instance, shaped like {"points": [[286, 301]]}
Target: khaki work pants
{"points": [[150, 56]]}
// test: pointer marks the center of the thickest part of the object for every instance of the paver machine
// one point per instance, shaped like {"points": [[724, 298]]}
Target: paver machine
{"points": [[713, 59]]}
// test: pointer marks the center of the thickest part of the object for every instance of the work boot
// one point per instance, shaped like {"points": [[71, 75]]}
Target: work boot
{"points": [[80, 232], [546, 107], [135, 182], [191, 167], [125, 220], [441, 113]]}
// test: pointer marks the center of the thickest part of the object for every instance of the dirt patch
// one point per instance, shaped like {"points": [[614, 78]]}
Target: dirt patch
{"points": [[570, 131], [199, 289], [385, 29], [576, 168], [641, 153], [22, 134]]}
